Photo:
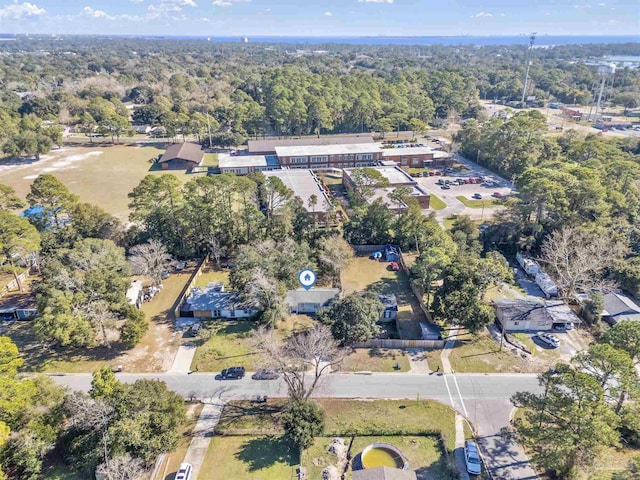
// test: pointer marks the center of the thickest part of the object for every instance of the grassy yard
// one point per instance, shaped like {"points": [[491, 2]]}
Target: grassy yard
{"points": [[100, 174], [436, 202], [472, 203], [211, 274], [225, 344], [251, 447], [448, 221], [210, 160], [375, 360], [364, 274], [251, 458], [154, 353], [480, 354]]}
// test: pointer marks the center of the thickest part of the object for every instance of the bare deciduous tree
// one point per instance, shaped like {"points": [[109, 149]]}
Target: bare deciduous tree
{"points": [[577, 259], [101, 317], [149, 259], [266, 294], [216, 250], [86, 413], [302, 358], [121, 467]]}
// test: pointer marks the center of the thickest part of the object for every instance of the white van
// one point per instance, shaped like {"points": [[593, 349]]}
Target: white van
{"points": [[184, 472]]}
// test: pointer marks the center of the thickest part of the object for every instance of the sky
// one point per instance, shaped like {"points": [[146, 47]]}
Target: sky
{"points": [[223, 18]]}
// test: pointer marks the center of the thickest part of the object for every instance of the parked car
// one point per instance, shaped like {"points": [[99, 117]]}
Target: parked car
{"points": [[497, 195], [445, 187], [265, 374], [549, 339], [184, 472], [164, 274], [394, 267], [439, 181], [232, 373], [195, 328], [477, 196], [472, 458]]}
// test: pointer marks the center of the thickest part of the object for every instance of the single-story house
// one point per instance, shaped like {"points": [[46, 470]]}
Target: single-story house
{"points": [[383, 473], [523, 314], [134, 293], [310, 301], [144, 129], [18, 306], [213, 302], [181, 156], [618, 306], [390, 303]]}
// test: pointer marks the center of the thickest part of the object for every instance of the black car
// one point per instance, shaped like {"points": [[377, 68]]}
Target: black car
{"points": [[232, 373], [265, 374]]}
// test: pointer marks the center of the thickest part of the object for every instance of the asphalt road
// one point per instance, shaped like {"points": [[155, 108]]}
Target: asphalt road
{"points": [[483, 399]]}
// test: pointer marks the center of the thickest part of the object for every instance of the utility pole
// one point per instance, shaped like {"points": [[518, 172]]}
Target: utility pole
{"points": [[532, 40], [209, 129]]}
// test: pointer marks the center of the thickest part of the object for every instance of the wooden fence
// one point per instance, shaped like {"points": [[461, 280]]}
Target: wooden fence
{"points": [[396, 343], [187, 288], [13, 284]]}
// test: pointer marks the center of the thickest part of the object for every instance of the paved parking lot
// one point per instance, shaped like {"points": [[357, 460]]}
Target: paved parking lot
{"points": [[454, 206]]}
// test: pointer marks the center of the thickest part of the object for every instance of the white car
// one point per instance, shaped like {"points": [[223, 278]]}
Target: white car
{"points": [[184, 472], [549, 339], [472, 458]]}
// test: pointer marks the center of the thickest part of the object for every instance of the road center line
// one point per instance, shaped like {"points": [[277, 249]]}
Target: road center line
{"points": [[460, 395]]}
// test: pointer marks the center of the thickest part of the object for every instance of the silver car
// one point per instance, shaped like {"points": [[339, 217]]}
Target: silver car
{"points": [[472, 458]]}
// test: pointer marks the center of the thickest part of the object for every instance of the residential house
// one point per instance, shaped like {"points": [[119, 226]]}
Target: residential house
{"points": [[310, 301], [181, 156], [213, 302], [18, 306], [533, 315], [390, 303], [618, 307]]}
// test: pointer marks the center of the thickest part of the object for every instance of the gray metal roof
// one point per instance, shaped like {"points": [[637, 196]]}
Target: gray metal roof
{"points": [[320, 150], [244, 161], [383, 473], [322, 296], [303, 183], [619, 306], [542, 311], [210, 298]]}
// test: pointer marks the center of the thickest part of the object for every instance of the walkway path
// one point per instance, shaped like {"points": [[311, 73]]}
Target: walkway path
{"points": [[459, 451], [183, 359], [418, 360], [448, 346], [202, 434]]}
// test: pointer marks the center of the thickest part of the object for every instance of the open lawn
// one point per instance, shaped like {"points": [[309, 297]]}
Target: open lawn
{"points": [[100, 174], [375, 360], [155, 352], [250, 458], [364, 274], [211, 274], [224, 344], [254, 449], [436, 202], [472, 203], [480, 354]]}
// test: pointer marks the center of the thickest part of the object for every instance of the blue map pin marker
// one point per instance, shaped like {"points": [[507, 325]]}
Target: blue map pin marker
{"points": [[307, 278]]}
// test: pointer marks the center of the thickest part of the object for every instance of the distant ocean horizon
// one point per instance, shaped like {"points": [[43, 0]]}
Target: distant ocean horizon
{"points": [[541, 40]]}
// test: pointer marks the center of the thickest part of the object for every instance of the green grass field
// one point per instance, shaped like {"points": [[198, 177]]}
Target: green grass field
{"points": [[375, 360], [480, 354], [249, 442], [227, 344], [472, 203], [436, 202], [100, 174]]}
